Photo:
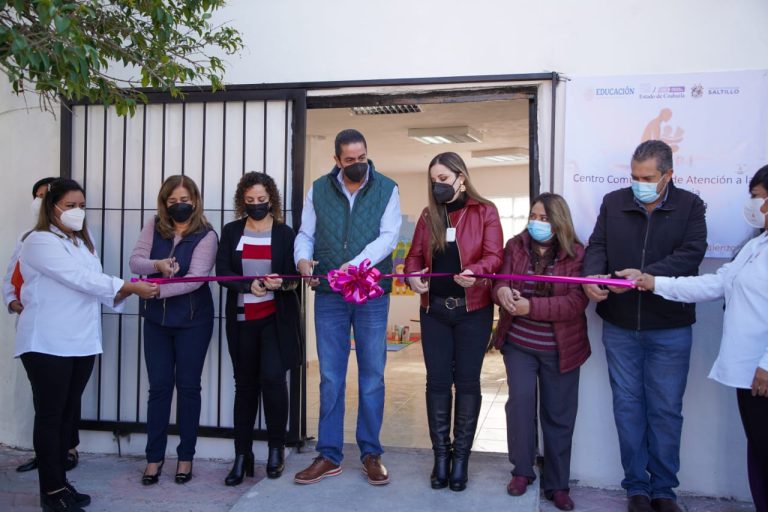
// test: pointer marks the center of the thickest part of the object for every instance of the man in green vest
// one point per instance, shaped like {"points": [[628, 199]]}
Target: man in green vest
{"points": [[351, 214]]}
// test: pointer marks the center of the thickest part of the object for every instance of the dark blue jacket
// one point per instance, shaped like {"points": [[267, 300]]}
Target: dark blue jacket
{"points": [[671, 241], [188, 310]]}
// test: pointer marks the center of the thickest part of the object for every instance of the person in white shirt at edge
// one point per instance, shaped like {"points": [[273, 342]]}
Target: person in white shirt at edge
{"points": [[350, 214], [11, 296], [743, 359], [59, 329]]}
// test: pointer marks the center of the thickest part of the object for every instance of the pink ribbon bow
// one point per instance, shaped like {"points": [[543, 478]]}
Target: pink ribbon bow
{"points": [[358, 284]]}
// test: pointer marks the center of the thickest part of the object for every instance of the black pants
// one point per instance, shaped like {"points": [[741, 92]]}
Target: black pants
{"points": [[57, 387], [754, 417], [527, 371], [454, 343], [259, 370]]}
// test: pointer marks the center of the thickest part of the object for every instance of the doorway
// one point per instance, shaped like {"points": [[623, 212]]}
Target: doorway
{"points": [[494, 131]]}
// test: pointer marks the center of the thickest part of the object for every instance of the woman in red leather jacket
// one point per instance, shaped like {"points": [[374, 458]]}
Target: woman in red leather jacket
{"points": [[542, 333], [458, 233]]}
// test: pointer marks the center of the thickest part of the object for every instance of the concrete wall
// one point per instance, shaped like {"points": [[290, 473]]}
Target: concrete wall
{"points": [[294, 41]]}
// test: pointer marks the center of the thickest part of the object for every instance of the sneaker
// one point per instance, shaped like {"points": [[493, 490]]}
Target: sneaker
{"points": [[319, 469]]}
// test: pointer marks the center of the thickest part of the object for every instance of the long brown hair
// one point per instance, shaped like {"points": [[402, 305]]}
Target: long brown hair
{"points": [[164, 223], [57, 189], [436, 218], [559, 216], [251, 179]]}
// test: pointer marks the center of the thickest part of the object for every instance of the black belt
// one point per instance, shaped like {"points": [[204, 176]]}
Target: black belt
{"points": [[448, 302]]}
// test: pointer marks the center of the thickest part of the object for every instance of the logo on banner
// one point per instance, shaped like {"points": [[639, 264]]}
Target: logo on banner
{"points": [[665, 92], [697, 91], [660, 129], [614, 91], [722, 91]]}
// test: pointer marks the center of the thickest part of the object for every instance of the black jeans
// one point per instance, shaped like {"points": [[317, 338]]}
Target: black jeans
{"points": [[454, 343], [259, 370], [57, 387], [754, 417]]}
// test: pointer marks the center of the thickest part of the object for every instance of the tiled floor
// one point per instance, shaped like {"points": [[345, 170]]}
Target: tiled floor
{"points": [[405, 415]]}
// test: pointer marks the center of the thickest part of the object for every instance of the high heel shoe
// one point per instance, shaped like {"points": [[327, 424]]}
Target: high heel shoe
{"points": [[182, 478], [275, 461], [242, 467], [152, 479]]}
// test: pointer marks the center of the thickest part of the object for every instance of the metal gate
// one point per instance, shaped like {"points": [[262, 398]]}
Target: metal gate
{"points": [[213, 138]]}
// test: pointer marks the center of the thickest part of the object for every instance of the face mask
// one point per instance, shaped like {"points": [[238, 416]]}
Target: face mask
{"points": [[752, 213], [180, 212], [356, 172], [539, 230], [35, 206], [257, 211], [72, 219], [443, 192], [645, 192]]}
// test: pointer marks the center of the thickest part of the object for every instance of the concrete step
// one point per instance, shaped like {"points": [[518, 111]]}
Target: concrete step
{"points": [[408, 489]]}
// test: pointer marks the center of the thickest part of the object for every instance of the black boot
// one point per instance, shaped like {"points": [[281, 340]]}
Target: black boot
{"points": [[464, 426], [275, 461], [242, 467], [439, 420]]}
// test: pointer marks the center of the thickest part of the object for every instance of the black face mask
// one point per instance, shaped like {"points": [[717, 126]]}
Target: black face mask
{"points": [[356, 172], [443, 192], [180, 212], [257, 211]]}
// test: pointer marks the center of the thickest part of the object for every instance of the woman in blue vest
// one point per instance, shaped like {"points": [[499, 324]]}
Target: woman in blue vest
{"points": [[177, 242], [262, 318]]}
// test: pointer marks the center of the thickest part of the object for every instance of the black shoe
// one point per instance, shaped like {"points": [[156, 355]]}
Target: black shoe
{"points": [[152, 479], [59, 502], [639, 503], [276, 461], [242, 467], [80, 499], [464, 426], [439, 421], [72, 460], [30, 465], [182, 478]]}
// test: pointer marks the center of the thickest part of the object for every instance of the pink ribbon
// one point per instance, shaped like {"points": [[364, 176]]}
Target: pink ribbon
{"points": [[358, 284]]}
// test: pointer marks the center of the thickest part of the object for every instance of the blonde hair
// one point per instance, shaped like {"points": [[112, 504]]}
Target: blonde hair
{"points": [[436, 218], [559, 215], [164, 223]]}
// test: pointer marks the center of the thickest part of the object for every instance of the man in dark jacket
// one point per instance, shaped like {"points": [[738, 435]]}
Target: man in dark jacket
{"points": [[660, 229]]}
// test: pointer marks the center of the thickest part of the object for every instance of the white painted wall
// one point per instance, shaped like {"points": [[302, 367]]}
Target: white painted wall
{"points": [[295, 40]]}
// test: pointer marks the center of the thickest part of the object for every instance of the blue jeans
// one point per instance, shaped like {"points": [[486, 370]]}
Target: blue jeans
{"points": [[174, 357], [333, 320], [648, 371]]}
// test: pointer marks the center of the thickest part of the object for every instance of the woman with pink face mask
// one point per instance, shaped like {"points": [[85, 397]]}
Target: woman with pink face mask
{"points": [[743, 359]]}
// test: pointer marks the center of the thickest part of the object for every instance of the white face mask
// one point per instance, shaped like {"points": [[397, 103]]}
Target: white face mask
{"points": [[73, 219], [752, 213], [35, 207]]}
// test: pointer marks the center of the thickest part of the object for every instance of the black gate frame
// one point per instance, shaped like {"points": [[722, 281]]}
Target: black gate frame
{"points": [[297, 93]]}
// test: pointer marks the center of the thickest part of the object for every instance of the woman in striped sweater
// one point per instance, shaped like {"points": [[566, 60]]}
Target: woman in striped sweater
{"points": [[542, 333]]}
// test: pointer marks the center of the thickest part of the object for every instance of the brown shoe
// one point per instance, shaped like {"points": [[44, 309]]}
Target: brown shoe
{"points": [[639, 503], [375, 470], [665, 505], [319, 469]]}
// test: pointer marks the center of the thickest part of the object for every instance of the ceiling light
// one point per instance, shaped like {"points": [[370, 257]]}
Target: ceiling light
{"points": [[444, 135], [503, 155], [386, 109]]}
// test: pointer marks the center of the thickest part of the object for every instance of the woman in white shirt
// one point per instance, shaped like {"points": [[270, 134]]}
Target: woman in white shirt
{"points": [[743, 359], [63, 286]]}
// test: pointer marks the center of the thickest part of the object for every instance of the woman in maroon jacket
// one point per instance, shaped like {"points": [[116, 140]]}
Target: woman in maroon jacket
{"points": [[458, 233], [542, 333]]}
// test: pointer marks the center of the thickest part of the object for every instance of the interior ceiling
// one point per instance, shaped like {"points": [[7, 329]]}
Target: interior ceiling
{"points": [[502, 124]]}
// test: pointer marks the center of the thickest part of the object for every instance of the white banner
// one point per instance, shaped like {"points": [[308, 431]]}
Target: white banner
{"points": [[716, 124]]}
